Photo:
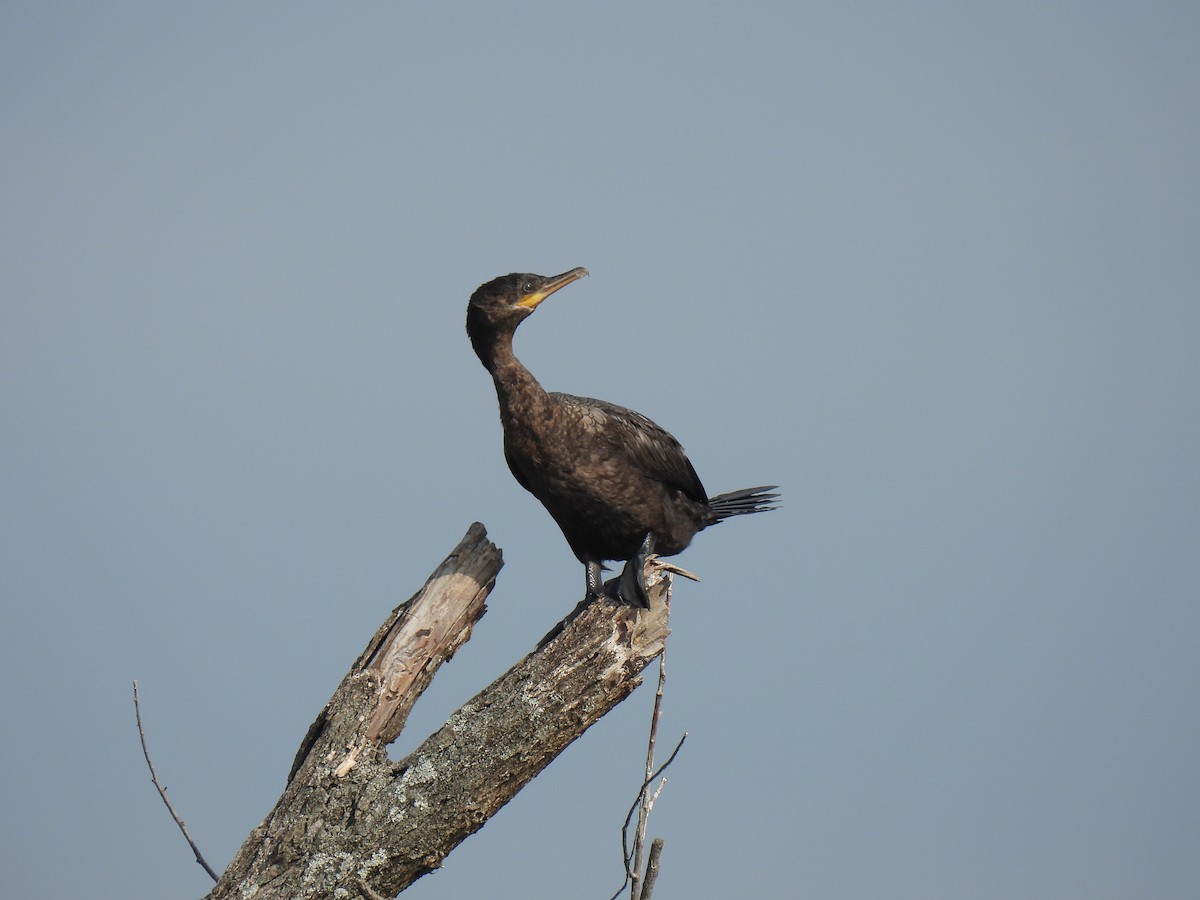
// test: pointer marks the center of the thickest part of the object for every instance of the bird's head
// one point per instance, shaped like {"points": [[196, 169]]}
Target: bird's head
{"points": [[503, 303]]}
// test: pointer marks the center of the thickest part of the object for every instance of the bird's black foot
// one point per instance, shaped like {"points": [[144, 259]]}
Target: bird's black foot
{"points": [[630, 586], [593, 572]]}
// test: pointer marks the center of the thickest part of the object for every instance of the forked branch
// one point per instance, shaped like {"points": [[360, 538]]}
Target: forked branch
{"points": [[353, 824]]}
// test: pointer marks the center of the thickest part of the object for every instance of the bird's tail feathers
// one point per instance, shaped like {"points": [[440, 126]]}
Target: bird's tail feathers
{"points": [[743, 502]]}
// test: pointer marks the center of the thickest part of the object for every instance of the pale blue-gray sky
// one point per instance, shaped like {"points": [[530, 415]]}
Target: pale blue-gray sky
{"points": [[933, 268]]}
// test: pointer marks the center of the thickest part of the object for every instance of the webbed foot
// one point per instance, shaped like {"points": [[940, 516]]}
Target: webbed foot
{"points": [[630, 586]]}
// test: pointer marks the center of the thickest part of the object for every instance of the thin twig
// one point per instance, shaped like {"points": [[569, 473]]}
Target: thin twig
{"points": [[654, 797], [674, 569], [625, 852], [652, 865], [639, 836], [638, 800], [162, 791], [643, 803]]}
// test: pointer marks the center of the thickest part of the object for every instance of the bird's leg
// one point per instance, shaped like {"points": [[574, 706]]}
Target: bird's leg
{"points": [[594, 591], [592, 572], [630, 587]]}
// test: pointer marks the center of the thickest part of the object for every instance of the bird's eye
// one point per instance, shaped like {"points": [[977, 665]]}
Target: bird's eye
{"points": [[527, 287]]}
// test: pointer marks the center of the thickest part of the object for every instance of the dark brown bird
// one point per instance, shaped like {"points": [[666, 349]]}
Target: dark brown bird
{"points": [[619, 486]]}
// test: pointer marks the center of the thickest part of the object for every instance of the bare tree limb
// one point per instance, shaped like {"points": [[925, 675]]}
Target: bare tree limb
{"points": [[625, 850], [351, 823], [652, 867], [162, 791], [639, 835], [632, 856]]}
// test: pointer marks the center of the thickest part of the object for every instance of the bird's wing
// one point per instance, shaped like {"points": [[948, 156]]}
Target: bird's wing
{"points": [[644, 442]]}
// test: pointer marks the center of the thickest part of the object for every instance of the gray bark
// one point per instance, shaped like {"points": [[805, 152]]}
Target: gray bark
{"points": [[351, 823]]}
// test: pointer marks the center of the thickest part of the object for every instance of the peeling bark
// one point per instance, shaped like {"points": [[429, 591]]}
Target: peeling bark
{"points": [[351, 823]]}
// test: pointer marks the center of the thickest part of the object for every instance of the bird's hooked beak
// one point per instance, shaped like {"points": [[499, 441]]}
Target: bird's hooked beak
{"points": [[530, 301]]}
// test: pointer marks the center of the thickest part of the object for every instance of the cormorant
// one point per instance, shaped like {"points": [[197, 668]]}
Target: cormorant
{"points": [[619, 486]]}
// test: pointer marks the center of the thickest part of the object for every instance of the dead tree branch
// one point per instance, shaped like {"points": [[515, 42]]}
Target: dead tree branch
{"points": [[652, 866], [353, 824], [639, 839], [638, 801], [162, 791]]}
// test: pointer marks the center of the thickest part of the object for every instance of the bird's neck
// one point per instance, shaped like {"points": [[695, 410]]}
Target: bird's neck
{"points": [[519, 393]]}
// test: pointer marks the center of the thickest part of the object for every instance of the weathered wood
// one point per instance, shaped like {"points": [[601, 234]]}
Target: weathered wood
{"points": [[351, 823]]}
